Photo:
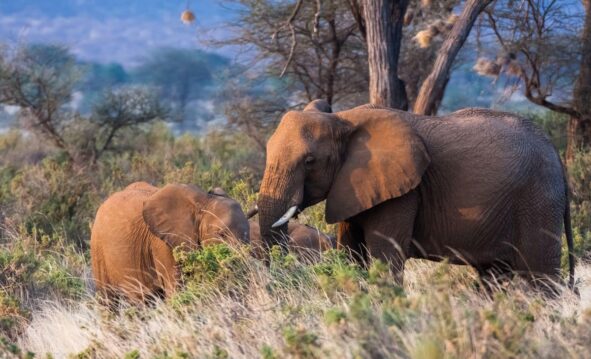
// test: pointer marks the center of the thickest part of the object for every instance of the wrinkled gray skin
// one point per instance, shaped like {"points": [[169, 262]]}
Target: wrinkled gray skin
{"points": [[477, 186]]}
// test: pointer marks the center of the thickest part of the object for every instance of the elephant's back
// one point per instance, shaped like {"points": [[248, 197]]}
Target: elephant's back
{"points": [[485, 166], [120, 241], [493, 142], [496, 126], [122, 207]]}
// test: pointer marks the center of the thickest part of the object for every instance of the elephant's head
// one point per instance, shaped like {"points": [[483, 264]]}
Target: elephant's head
{"points": [[354, 159], [186, 215]]}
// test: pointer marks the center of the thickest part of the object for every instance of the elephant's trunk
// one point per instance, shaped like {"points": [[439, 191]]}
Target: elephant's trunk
{"points": [[276, 196]]}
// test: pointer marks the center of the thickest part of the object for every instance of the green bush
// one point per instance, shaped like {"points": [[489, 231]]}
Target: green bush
{"points": [[40, 268], [580, 184], [336, 273], [300, 343], [212, 269], [553, 124], [54, 197]]}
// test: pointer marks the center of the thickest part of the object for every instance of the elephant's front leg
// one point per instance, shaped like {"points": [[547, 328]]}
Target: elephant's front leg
{"points": [[388, 230], [350, 239], [165, 266]]}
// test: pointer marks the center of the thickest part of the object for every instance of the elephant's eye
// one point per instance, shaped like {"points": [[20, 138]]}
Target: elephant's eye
{"points": [[309, 160]]}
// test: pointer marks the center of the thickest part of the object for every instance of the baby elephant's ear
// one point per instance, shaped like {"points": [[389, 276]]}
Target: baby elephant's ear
{"points": [[319, 106], [171, 214]]}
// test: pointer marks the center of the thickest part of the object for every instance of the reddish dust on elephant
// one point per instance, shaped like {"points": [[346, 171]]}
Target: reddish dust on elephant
{"points": [[136, 230]]}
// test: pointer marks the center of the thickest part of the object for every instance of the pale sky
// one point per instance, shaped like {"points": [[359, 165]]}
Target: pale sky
{"points": [[111, 30]]}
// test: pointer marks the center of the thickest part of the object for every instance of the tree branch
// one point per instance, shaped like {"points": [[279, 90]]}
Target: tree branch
{"points": [[295, 12]]}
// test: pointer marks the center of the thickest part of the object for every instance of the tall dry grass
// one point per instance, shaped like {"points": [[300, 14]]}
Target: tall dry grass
{"points": [[327, 310]]}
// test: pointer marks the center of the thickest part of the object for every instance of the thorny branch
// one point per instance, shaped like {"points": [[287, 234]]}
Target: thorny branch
{"points": [[289, 24], [294, 43]]}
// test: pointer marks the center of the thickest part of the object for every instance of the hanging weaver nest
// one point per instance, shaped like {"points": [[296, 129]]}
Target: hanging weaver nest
{"points": [[452, 19], [187, 17], [509, 64], [486, 67], [513, 69], [424, 38], [425, 3]]}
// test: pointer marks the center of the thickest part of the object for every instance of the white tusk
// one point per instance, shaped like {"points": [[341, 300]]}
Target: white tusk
{"points": [[286, 217]]}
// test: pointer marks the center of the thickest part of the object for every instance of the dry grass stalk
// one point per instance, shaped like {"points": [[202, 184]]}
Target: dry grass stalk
{"points": [[440, 304]]}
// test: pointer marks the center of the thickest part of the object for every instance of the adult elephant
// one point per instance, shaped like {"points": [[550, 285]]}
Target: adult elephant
{"points": [[477, 186], [136, 229]]}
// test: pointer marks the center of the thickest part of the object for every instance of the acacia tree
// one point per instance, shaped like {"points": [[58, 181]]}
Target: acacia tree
{"points": [[40, 81], [382, 23], [426, 25], [181, 75], [313, 45], [544, 47], [328, 58], [579, 126]]}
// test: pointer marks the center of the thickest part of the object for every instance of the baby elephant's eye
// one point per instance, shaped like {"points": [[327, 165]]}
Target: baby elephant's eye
{"points": [[309, 160]]}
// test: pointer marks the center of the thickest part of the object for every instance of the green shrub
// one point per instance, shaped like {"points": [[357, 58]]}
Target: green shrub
{"points": [[53, 197], [267, 352], [13, 317], [580, 183], [212, 269], [287, 272], [40, 268], [134, 354], [300, 343], [336, 273], [553, 124]]}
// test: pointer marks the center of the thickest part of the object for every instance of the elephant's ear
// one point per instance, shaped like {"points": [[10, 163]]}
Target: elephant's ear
{"points": [[385, 158], [318, 106], [171, 214]]}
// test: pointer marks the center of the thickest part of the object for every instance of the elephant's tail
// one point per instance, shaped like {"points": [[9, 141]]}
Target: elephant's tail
{"points": [[569, 243]]}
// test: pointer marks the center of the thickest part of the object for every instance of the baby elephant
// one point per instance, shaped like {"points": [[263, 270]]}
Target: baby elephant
{"points": [[135, 231], [305, 241]]}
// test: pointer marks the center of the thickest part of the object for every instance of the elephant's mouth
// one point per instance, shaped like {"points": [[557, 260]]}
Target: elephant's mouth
{"points": [[312, 197], [295, 209]]}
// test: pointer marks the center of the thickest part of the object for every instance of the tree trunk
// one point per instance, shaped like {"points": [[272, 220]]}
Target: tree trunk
{"points": [[579, 127], [433, 87], [383, 25]]}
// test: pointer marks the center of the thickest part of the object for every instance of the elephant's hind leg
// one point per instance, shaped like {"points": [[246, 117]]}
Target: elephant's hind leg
{"points": [[538, 247], [493, 276]]}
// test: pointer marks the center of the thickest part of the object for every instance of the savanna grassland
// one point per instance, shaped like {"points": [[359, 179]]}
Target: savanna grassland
{"points": [[233, 306]]}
